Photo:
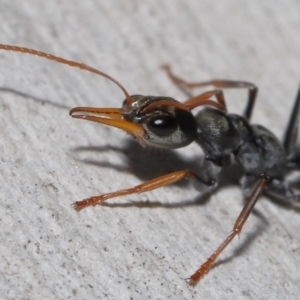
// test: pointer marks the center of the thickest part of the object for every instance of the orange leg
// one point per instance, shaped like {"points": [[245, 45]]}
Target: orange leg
{"points": [[204, 99], [242, 218], [219, 84], [144, 187]]}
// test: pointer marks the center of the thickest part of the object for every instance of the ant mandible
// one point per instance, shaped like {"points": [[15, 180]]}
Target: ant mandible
{"points": [[163, 122]]}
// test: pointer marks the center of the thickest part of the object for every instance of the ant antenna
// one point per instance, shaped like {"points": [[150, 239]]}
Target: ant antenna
{"points": [[67, 62]]}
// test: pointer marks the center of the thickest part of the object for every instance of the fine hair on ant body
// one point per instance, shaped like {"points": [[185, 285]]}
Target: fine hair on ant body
{"points": [[163, 122]]}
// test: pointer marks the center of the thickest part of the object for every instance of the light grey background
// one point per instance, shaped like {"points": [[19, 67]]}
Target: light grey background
{"points": [[131, 249]]}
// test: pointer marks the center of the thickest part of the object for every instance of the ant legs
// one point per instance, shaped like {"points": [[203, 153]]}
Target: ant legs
{"points": [[174, 177], [290, 136], [144, 187], [219, 84], [207, 178], [204, 99], [284, 192], [206, 182], [239, 223]]}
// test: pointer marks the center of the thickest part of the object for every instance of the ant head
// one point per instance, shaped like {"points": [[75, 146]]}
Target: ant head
{"points": [[166, 122], [157, 121], [160, 122]]}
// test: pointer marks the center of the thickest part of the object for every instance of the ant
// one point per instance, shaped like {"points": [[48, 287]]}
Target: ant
{"points": [[163, 122]]}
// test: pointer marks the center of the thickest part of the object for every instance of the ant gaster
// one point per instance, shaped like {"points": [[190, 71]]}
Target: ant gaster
{"points": [[163, 122]]}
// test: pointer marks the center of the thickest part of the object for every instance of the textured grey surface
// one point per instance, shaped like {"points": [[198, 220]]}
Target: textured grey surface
{"points": [[128, 250]]}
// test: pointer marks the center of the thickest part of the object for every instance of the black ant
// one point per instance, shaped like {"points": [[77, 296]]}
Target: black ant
{"points": [[163, 122]]}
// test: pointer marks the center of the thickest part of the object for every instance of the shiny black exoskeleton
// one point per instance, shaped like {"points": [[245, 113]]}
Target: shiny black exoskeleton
{"points": [[221, 135]]}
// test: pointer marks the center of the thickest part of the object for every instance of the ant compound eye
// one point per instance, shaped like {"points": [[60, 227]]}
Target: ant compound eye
{"points": [[169, 127], [162, 125]]}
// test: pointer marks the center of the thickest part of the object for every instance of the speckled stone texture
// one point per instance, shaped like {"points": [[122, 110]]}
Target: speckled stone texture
{"points": [[143, 246]]}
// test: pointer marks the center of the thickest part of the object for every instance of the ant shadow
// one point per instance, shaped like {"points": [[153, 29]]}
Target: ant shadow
{"points": [[33, 98], [148, 163]]}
